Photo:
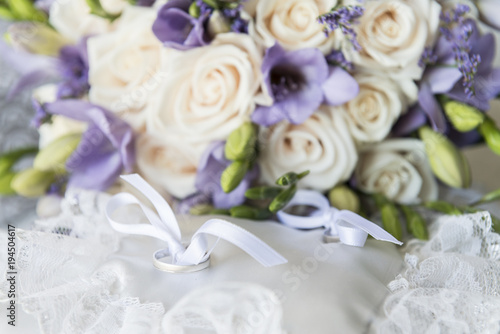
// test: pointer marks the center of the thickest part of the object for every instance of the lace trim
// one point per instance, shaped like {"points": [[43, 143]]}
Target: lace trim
{"points": [[67, 282], [451, 283]]}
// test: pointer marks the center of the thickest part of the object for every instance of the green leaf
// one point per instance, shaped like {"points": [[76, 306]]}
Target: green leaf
{"points": [[263, 192], [489, 197], [390, 220], [290, 178], [7, 160], [444, 207], [201, 209], [223, 212], [248, 212], [280, 201], [415, 223], [5, 184], [6, 14], [233, 175]]}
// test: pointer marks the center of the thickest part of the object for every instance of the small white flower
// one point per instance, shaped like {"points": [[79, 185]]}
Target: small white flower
{"points": [[322, 145], [398, 169], [72, 19]]}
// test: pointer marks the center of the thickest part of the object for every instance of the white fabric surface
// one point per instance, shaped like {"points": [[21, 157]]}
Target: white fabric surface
{"points": [[81, 281]]}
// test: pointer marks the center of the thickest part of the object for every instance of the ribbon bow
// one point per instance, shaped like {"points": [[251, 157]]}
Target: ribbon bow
{"points": [[164, 226], [349, 227]]}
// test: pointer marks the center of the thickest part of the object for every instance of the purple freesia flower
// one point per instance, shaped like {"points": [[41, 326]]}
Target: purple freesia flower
{"points": [[212, 164], [106, 149], [445, 78], [74, 69], [299, 81], [179, 30]]}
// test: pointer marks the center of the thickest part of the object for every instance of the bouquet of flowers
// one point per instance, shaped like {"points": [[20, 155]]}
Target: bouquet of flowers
{"points": [[227, 106]]}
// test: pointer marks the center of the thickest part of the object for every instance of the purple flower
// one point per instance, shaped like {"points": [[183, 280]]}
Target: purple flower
{"points": [[74, 69], [299, 81], [145, 3], [179, 30], [106, 148], [343, 17], [210, 169], [444, 78]]}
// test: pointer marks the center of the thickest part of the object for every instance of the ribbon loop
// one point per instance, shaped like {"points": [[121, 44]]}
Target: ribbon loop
{"points": [[164, 226], [349, 227]]}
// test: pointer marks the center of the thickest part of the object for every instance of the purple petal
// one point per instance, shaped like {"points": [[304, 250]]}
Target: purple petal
{"points": [[340, 87], [75, 109], [442, 79], [463, 139], [302, 104], [311, 62], [484, 46], [174, 26], [431, 108], [267, 116], [409, 122], [31, 80]]}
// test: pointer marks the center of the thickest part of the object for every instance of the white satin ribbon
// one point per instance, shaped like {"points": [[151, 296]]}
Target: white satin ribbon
{"points": [[164, 226], [349, 227]]}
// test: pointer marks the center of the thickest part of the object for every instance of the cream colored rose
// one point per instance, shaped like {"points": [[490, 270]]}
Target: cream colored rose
{"points": [[372, 113], [208, 92], [124, 66], [393, 35], [322, 145], [113, 7], [170, 167], [59, 125], [293, 23], [398, 169], [72, 19]]}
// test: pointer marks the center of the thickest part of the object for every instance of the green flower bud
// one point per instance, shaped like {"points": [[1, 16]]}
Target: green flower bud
{"points": [[415, 223], [194, 10], [280, 201], [212, 3], [290, 178], [35, 38], [446, 161], [6, 14], [444, 207], [8, 160], [32, 182], [218, 24], [53, 157], [343, 198], [263, 192], [463, 117], [232, 175], [200, 210], [390, 220], [25, 10], [491, 134], [5, 183], [248, 212], [240, 144]]}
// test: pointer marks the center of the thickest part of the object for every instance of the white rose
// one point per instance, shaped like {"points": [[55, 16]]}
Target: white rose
{"points": [[393, 35], [124, 65], [59, 125], [208, 92], [293, 23], [72, 19], [322, 145], [168, 166], [398, 169], [372, 113]]}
